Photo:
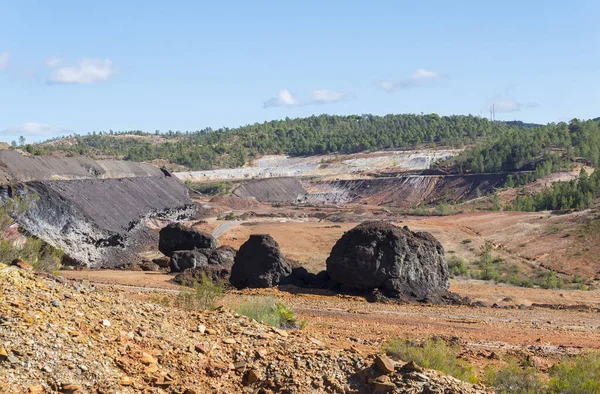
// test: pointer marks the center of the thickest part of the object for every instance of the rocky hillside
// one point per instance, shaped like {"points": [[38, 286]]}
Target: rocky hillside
{"points": [[69, 337]]}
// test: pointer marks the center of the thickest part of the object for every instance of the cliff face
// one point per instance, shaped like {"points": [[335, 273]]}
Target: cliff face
{"points": [[97, 214], [403, 191]]}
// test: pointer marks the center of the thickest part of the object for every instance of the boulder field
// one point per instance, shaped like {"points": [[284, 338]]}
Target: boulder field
{"points": [[372, 258]]}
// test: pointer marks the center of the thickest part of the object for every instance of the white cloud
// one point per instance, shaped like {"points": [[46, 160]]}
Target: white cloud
{"points": [[319, 96], [4, 59], [34, 129], [419, 78], [509, 104], [54, 62], [86, 72]]}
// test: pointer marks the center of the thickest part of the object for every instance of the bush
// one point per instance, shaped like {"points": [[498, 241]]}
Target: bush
{"points": [[512, 379], [203, 295], [457, 267], [433, 354], [578, 376], [269, 311]]}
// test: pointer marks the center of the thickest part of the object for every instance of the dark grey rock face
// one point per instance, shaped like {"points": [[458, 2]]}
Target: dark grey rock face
{"points": [[176, 237], [259, 264], [99, 222], [397, 261], [184, 259], [215, 264]]}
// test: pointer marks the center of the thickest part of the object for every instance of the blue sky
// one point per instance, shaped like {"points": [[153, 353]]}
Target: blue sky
{"points": [[184, 65]]}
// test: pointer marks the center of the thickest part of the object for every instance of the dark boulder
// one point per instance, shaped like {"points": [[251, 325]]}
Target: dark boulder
{"points": [[397, 261], [176, 237], [184, 259], [217, 267], [259, 263]]}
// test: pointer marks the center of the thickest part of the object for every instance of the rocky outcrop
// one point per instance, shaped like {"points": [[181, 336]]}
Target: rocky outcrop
{"points": [[176, 236], [397, 261], [259, 264], [99, 222], [282, 190]]}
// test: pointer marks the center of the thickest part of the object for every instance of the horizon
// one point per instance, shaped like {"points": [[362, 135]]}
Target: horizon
{"points": [[133, 67]]}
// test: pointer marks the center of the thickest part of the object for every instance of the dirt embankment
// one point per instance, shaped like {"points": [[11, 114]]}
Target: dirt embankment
{"points": [[403, 190], [15, 167], [93, 210], [284, 190]]}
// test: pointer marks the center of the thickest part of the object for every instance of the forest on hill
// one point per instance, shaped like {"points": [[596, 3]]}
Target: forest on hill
{"points": [[529, 150], [222, 148]]}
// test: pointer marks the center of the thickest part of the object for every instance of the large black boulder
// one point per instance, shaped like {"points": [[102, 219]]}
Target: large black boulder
{"points": [[259, 264], [176, 237], [397, 261], [217, 266], [184, 259]]}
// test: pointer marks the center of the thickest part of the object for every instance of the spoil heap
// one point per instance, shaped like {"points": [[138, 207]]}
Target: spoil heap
{"points": [[60, 336]]}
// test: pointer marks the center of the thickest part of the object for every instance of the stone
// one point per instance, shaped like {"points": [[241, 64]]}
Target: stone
{"points": [[397, 261], [259, 264], [385, 364], [71, 388], [36, 389], [21, 264], [251, 376], [148, 359], [176, 236], [187, 259], [125, 381], [162, 262], [216, 264], [106, 323], [56, 304], [3, 354]]}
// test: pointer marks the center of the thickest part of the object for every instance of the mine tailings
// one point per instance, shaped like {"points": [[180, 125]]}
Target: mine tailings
{"points": [[402, 190], [94, 210]]}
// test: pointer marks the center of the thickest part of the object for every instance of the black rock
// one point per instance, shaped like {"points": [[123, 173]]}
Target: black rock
{"points": [[259, 263], [184, 259], [176, 237], [217, 267], [395, 260]]}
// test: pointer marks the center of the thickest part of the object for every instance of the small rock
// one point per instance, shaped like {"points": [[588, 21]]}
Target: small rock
{"points": [[70, 388], [3, 354], [106, 323], [201, 329], [36, 389], [229, 341], [21, 264], [251, 376], [200, 348], [125, 381], [148, 359], [411, 367], [56, 304], [240, 366], [385, 364]]}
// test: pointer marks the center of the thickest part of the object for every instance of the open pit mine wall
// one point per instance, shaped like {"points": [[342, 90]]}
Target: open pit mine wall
{"points": [[95, 211], [401, 191]]}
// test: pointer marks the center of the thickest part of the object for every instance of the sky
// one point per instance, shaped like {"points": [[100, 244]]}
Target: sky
{"points": [[82, 66]]}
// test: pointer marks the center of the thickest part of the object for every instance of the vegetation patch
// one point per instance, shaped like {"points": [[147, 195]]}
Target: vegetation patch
{"points": [[202, 296], [269, 311], [433, 354]]}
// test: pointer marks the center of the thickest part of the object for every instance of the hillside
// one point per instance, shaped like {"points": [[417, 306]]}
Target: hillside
{"points": [[69, 337]]}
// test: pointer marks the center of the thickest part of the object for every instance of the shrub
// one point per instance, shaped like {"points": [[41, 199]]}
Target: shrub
{"points": [[512, 379], [578, 376], [457, 267], [466, 241], [433, 354], [269, 311], [202, 296]]}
